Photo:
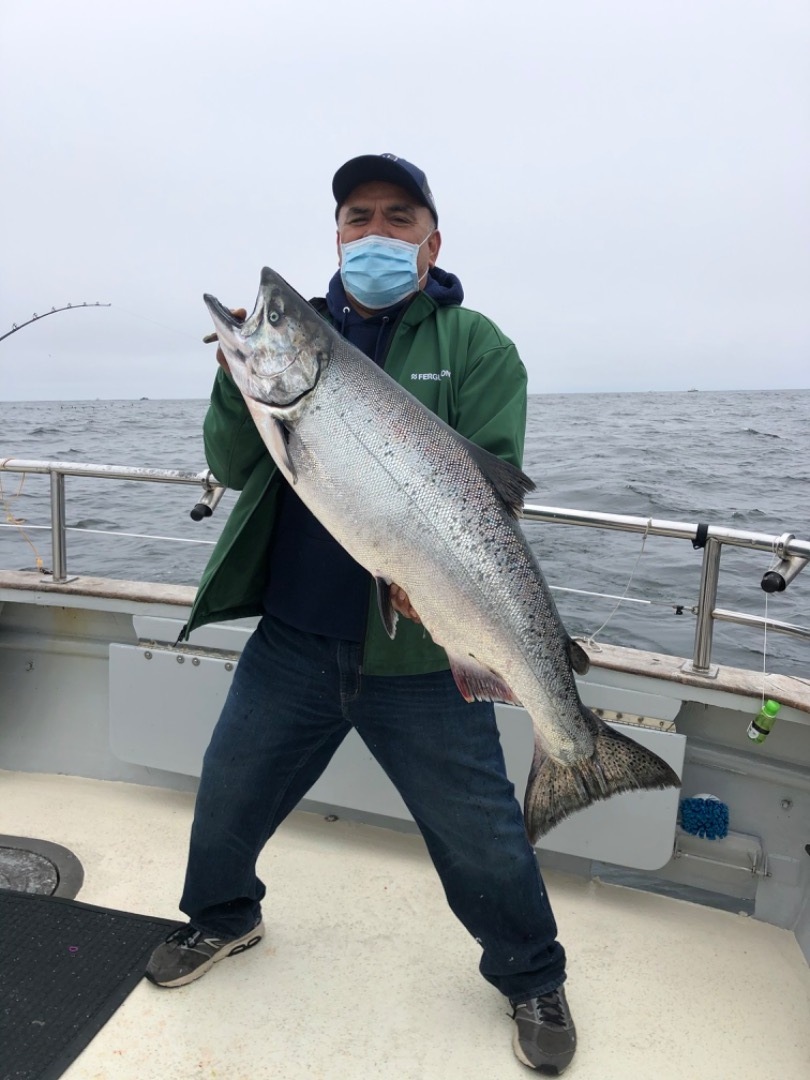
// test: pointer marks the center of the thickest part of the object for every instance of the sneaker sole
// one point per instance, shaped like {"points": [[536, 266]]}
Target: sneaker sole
{"points": [[233, 948]]}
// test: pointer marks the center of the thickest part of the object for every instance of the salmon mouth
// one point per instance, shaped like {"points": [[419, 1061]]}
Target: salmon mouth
{"points": [[220, 313], [274, 374]]}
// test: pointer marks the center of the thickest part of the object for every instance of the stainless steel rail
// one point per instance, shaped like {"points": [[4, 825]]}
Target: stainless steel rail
{"points": [[711, 538], [58, 470], [108, 472], [681, 530]]}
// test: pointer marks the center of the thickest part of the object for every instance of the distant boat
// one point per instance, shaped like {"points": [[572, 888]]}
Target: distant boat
{"points": [[692, 390]]}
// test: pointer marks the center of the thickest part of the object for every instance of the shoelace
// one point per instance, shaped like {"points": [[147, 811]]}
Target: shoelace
{"points": [[550, 1009], [186, 937]]}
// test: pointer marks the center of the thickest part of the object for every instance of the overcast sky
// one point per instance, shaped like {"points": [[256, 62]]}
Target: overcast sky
{"points": [[623, 186]]}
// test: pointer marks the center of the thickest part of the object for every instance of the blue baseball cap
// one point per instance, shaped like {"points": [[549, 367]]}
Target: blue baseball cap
{"points": [[388, 167]]}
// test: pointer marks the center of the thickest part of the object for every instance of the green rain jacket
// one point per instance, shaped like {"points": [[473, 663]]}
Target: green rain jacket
{"points": [[459, 365]]}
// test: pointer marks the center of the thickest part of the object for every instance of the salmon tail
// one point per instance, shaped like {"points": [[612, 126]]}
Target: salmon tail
{"points": [[617, 764]]}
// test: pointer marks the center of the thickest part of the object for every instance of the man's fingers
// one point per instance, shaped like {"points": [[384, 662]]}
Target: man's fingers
{"points": [[238, 313], [402, 604]]}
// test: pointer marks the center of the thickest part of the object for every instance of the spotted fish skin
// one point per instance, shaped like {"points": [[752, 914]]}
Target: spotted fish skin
{"points": [[417, 504]]}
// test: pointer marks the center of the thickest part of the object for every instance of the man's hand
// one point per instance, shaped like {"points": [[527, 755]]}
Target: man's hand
{"points": [[401, 603], [238, 313]]}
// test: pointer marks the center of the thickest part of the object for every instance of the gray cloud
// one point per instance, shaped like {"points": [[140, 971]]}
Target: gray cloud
{"points": [[622, 186]]}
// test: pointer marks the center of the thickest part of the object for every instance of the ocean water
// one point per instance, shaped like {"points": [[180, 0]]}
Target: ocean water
{"points": [[740, 460]]}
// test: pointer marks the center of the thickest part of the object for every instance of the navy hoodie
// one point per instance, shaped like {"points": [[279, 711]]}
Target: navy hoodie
{"points": [[314, 584]]}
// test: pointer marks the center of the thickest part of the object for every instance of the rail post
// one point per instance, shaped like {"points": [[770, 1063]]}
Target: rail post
{"points": [[700, 664], [58, 536]]}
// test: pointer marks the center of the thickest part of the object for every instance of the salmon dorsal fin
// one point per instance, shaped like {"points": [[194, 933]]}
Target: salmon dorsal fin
{"points": [[510, 482]]}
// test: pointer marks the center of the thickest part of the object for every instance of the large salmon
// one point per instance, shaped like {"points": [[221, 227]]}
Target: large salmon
{"points": [[416, 504]]}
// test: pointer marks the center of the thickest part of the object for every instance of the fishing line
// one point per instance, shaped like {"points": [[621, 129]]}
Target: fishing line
{"points": [[774, 564], [140, 536], [17, 523], [677, 608], [113, 532], [54, 311], [74, 307], [165, 326], [591, 639], [601, 595], [765, 650]]}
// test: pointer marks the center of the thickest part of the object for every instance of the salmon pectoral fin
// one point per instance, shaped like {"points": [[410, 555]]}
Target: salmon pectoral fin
{"points": [[580, 661], [388, 612], [617, 764], [479, 683], [276, 434]]}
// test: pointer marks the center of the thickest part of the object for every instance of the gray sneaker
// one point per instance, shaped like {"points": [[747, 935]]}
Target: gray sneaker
{"points": [[545, 1037], [187, 953]]}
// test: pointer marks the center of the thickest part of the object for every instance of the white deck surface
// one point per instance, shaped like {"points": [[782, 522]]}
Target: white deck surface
{"points": [[365, 973]]}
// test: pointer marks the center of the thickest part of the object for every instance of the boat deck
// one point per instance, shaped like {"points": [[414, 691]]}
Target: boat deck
{"points": [[365, 972]]}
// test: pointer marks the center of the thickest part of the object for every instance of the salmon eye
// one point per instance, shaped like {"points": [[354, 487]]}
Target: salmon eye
{"points": [[273, 316]]}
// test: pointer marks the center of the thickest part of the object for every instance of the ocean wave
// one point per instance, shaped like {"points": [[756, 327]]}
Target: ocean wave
{"points": [[636, 454], [94, 523], [762, 434], [744, 515]]}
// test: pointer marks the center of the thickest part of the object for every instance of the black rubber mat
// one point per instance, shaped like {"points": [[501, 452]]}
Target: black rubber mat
{"points": [[65, 967]]}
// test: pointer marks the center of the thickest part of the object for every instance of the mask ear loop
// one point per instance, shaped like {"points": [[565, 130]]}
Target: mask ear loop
{"points": [[419, 280]]}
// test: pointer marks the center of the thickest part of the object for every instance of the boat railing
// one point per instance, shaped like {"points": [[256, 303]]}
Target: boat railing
{"points": [[791, 554], [212, 492]]}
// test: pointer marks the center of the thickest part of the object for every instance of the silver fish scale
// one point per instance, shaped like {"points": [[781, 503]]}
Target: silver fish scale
{"points": [[412, 502], [399, 490]]}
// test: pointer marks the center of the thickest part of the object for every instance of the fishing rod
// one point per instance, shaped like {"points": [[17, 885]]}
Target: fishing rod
{"points": [[53, 311]]}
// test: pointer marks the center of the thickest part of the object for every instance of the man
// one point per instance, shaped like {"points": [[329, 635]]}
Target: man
{"points": [[320, 661]]}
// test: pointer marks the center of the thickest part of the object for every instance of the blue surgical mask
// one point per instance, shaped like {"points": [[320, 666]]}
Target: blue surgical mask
{"points": [[379, 271]]}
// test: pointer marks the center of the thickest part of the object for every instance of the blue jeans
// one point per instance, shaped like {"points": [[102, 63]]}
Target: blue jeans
{"points": [[293, 699]]}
